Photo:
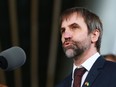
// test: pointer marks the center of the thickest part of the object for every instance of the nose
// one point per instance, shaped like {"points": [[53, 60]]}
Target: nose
{"points": [[67, 35]]}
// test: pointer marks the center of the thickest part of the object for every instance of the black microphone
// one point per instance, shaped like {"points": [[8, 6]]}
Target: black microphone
{"points": [[12, 58]]}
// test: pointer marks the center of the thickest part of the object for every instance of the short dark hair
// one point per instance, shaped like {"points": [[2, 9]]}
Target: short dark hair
{"points": [[110, 56], [91, 19]]}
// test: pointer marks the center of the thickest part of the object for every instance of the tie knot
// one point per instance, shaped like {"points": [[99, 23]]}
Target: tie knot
{"points": [[79, 71]]}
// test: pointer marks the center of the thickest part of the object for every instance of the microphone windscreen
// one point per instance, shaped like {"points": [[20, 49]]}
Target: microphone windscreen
{"points": [[14, 56]]}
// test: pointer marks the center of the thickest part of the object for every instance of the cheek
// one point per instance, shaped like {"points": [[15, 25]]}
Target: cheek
{"points": [[62, 39], [80, 37]]}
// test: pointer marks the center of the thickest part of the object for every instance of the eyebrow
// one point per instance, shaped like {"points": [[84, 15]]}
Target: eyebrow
{"points": [[74, 24]]}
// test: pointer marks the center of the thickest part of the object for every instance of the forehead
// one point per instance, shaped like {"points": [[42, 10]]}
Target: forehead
{"points": [[72, 18]]}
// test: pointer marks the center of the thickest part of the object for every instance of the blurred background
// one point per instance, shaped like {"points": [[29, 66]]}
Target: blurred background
{"points": [[33, 25]]}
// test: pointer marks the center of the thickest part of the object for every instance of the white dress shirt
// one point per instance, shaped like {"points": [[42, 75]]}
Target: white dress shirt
{"points": [[87, 65]]}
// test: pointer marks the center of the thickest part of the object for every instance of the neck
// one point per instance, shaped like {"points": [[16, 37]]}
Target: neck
{"points": [[86, 55]]}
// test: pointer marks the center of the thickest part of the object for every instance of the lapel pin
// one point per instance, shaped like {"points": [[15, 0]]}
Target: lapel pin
{"points": [[87, 84]]}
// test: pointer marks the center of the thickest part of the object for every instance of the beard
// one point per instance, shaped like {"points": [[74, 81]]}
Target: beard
{"points": [[75, 49]]}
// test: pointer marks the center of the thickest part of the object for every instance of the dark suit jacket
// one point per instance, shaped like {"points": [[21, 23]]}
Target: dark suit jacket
{"points": [[102, 74]]}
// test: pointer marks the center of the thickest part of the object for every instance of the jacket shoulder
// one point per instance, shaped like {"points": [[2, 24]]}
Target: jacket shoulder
{"points": [[66, 82]]}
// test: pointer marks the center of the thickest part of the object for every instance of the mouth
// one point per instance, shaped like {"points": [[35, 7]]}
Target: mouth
{"points": [[67, 44]]}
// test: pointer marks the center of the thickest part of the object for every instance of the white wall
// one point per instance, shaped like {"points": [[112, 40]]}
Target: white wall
{"points": [[108, 15]]}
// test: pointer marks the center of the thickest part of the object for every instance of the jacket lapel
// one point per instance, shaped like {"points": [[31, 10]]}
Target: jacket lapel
{"points": [[94, 72]]}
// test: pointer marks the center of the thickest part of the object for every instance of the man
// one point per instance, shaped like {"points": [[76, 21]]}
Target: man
{"points": [[81, 32], [110, 57]]}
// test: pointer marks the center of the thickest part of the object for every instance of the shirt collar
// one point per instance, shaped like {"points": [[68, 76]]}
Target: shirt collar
{"points": [[88, 63]]}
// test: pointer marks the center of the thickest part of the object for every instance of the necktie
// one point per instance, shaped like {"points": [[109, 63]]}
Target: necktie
{"points": [[78, 73]]}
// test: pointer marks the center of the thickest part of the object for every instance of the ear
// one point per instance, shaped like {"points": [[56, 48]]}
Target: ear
{"points": [[95, 35]]}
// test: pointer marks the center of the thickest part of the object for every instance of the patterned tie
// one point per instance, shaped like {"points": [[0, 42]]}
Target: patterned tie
{"points": [[78, 73]]}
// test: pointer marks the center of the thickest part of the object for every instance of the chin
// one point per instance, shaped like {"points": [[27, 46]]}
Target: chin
{"points": [[69, 53]]}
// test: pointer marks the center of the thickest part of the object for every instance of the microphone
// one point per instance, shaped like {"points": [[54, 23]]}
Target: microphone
{"points": [[12, 58]]}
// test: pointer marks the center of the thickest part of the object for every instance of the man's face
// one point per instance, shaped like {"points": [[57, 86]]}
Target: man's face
{"points": [[74, 36]]}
